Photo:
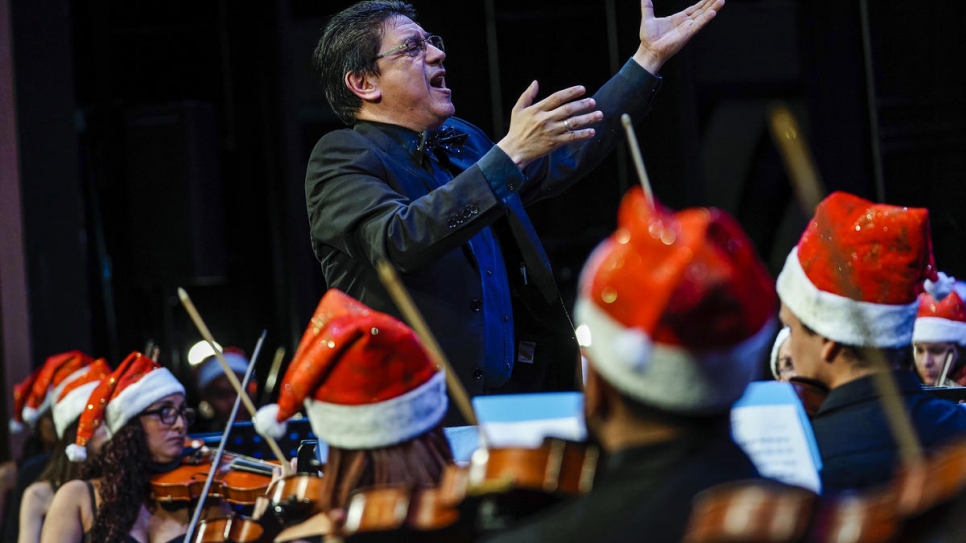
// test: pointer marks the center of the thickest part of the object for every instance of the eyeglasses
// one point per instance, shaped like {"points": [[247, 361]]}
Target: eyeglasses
{"points": [[169, 414], [414, 47]]}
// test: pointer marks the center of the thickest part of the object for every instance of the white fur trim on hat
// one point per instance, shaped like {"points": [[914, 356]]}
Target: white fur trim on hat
{"points": [[76, 453], [71, 406], [781, 338], [138, 396], [56, 391], [860, 324], [939, 330], [669, 377], [266, 422], [211, 368], [381, 424]]}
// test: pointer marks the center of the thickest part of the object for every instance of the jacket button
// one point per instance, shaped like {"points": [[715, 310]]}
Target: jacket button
{"points": [[477, 374], [476, 305]]}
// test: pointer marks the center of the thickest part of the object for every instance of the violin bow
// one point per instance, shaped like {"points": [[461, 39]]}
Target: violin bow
{"points": [[216, 458], [946, 364], [808, 189], [232, 378], [390, 279]]}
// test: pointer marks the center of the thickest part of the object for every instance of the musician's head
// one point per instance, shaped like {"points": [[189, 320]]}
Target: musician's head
{"points": [[675, 314], [34, 397], [849, 288], [367, 384], [376, 63], [939, 335], [217, 395], [141, 394], [781, 363]]}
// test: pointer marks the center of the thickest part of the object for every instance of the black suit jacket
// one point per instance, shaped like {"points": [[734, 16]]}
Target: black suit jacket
{"points": [[370, 198]]}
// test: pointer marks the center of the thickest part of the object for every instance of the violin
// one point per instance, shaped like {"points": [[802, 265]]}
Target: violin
{"points": [[294, 498], [230, 529], [401, 513], [557, 467], [811, 393], [238, 480], [756, 510]]}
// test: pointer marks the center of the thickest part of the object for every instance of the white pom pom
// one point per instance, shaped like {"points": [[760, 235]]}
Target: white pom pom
{"points": [[266, 421], [30, 415], [633, 348], [76, 453], [941, 287], [15, 427]]}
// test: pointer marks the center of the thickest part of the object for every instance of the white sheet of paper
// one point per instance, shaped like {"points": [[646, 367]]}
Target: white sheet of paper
{"points": [[773, 437]]}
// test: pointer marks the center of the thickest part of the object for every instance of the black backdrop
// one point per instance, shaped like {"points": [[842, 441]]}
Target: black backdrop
{"points": [[163, 144]]}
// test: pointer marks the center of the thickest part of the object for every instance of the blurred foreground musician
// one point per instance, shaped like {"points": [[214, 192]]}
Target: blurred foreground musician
{"points": [[372, 394], [849, 292], [680, 312]]}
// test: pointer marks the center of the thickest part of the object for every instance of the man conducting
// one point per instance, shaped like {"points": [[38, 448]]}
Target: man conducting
{"points": [[413, 185]]}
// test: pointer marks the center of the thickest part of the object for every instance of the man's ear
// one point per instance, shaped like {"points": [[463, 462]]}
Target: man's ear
{"points": [[830, 350], [364, 86]]}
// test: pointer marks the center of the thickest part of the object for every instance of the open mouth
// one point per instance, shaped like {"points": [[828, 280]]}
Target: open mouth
{"points": [[438, 81]]}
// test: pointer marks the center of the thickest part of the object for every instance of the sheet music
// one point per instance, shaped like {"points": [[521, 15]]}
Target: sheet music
{"points": [[771, 426]]}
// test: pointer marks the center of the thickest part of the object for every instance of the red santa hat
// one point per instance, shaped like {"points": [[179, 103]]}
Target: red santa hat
{"points": [[679, 307], [45, 384], [73, 396], [364, 379], [21, 392], [942, 313], [857, 271], [137, 383]]}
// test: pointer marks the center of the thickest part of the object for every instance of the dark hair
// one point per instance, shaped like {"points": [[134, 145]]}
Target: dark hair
{"points": [[864, 357], [349, 44], [418, 462], [125, 484], [59, 468]]}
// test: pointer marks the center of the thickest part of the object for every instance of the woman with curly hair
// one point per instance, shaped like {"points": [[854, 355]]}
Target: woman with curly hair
{"points": [[142, 407]]}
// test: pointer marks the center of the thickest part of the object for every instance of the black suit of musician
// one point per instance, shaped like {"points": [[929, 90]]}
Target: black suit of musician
{"points": [[434, 196]]}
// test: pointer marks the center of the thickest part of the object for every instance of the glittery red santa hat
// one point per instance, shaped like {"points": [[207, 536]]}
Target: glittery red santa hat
{"points": [[857, 271], [679, 308], [73, 396], [57, 370], [942, 313], [364, 379], [137, 383]]}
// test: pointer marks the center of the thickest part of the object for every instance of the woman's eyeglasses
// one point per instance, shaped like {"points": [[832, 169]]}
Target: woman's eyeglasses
{"points": [[169, 414]]}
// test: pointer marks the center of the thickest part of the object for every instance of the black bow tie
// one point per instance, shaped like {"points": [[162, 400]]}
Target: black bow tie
{"points": [[442, 141]]}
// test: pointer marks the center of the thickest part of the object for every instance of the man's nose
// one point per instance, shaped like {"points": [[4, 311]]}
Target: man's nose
{"points": [[434, 55]]}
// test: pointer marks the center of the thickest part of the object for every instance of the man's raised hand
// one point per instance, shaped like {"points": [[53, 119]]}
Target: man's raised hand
{"points": [[537, 129]]}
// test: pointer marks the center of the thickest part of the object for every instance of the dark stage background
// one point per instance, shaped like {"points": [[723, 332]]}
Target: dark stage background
{"points": [[163, 144]]}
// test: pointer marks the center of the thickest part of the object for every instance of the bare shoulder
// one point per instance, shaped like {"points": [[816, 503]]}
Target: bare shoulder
{"points": [[39, 492], [71, 507], [72, 495]]}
